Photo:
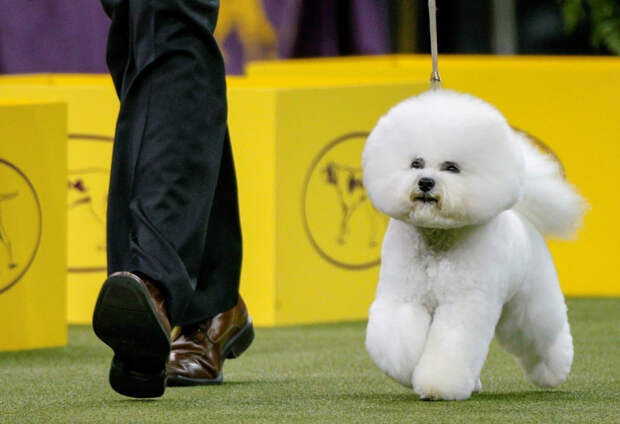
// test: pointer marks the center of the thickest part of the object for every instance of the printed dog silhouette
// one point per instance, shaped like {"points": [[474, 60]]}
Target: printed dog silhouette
{"points": [[348, 183], [4, 237], [88, 202]]}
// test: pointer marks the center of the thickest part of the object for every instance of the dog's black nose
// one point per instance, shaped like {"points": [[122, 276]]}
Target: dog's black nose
{"points": [[426, 184]]}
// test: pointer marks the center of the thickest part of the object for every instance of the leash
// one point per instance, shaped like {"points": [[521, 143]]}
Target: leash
{"points": [[432, 15]]}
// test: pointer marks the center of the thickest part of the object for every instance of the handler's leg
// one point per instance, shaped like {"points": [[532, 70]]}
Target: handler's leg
{"points": [[217, 289], [170, 136], [216, 324]]}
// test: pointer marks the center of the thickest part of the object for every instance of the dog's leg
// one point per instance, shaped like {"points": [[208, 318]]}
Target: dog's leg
{"points": [[534, 327], [457, 345], [395, 337]]}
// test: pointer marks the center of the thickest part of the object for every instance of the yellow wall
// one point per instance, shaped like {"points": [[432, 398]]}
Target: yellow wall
{"points": [[571, 103], [33, 165]]}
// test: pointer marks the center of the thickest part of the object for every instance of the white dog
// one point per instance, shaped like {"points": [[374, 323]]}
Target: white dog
{"points": [[463, 257]]}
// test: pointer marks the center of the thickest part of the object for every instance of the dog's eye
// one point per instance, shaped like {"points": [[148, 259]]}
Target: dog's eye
{"points": [[450, 167], [417, 163]]}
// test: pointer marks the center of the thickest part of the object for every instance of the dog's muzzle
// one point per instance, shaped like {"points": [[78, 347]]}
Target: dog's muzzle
{"points": [[424, 198]]}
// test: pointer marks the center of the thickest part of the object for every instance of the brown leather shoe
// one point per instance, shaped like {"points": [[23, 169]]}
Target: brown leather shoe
{"points": [[198, 353], [130, 317]]}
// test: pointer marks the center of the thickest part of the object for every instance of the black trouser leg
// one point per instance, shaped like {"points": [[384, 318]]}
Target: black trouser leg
{"points": [[171, 152], [218, 282]]}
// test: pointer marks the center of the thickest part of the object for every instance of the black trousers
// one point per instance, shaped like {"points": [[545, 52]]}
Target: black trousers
{"points": [[172, 206]]}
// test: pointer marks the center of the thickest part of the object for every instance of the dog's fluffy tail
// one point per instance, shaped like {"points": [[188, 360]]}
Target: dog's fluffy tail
{"points": [[548, 201]]}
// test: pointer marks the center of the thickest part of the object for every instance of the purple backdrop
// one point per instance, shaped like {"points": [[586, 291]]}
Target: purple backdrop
{"points": [[52, 36], [70, 35]]}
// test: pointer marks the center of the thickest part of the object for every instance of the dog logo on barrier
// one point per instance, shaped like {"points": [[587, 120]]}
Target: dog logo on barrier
{"points": [[20, 224], [87, 201], [340, 221]]}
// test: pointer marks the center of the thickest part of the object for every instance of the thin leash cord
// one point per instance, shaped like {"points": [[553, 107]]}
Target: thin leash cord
{"points": [[432, 15]]}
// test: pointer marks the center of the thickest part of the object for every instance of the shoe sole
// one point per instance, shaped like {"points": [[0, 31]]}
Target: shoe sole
{"points": [[233, 349], [126, 320]]}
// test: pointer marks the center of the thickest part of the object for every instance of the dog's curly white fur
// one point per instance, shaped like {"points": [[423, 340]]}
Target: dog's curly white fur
{"points": [[464, 256]]}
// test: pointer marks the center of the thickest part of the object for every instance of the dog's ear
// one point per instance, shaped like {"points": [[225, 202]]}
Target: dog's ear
{"points": [[542, 146]]}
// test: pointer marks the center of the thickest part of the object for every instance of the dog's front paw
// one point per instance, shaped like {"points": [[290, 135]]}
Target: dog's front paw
{"points": [[442, 384]]}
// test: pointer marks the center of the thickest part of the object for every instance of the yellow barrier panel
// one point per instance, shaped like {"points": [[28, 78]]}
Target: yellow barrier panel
{"points": [[33, 166], [571, 103], [297, 138], [419, 66], [92, 110], [26, 79]]}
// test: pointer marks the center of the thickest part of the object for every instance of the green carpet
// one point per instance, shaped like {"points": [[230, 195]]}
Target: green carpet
{"points": [[316, 374]]}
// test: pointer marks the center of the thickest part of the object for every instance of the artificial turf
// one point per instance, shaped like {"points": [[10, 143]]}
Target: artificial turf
{"points": [[317, 373]]}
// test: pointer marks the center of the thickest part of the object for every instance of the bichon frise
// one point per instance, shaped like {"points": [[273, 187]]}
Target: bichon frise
{"points": [[464, 256]]}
